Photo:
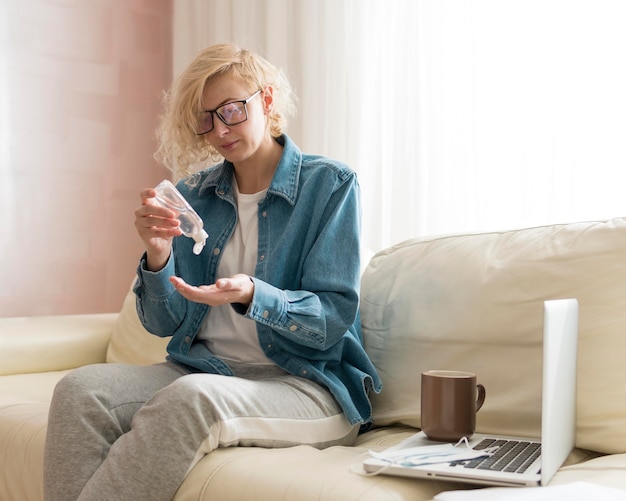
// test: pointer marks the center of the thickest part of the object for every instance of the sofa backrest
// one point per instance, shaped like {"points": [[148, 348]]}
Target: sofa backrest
{"points": [[474, 302], [132, 344]]}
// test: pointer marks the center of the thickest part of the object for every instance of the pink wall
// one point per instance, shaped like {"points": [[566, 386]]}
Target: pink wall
{"points": [[79, 99]]}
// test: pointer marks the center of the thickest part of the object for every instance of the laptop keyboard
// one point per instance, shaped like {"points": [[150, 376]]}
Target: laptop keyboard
{"points": [[511, 455]]}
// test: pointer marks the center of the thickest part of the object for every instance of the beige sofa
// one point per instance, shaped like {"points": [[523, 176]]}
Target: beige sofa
{"points": [[468, 302]]}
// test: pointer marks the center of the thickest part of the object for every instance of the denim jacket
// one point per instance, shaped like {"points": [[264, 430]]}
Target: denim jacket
{"points": [[306, 282]]}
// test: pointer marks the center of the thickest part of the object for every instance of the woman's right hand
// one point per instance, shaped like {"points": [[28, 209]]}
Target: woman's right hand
{"points": [[157, 226]]}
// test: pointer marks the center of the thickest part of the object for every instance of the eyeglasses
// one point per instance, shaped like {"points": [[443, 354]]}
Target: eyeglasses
{"points": [[232, 113]]}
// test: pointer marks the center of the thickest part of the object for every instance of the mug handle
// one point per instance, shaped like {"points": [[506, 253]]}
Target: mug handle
{"points": [[482, 393]]}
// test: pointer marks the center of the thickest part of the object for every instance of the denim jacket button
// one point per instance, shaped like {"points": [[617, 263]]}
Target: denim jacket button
{"points": [[293, 328], [216, 251], [187, 339], [266, 314]]}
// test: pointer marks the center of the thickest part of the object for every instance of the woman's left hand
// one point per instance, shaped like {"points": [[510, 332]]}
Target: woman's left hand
{"points": [[236, 289]]}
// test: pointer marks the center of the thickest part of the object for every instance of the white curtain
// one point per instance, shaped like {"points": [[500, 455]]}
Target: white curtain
{"points": [[457, 115]]}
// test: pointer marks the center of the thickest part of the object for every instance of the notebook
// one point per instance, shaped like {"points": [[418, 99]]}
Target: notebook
{"points": [[545, 455]]}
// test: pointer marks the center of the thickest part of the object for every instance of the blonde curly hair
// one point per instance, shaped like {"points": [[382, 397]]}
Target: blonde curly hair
{"points": [[180, 149]]}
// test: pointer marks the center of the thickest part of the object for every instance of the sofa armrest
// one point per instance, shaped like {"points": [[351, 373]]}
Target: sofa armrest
{"points": [[52, 343]]}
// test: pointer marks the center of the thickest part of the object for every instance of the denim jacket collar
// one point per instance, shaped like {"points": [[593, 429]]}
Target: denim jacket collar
{"points": [[284, 182]]}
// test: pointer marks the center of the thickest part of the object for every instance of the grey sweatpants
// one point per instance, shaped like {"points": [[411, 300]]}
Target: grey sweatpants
{"points": [[127, 432]]}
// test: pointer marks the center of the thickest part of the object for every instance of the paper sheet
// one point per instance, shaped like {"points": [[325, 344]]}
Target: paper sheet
{"points": [[576, 491]]}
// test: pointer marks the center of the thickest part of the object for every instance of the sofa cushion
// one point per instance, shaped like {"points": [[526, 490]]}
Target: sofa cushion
{"points": [[22, 437], [35, 387], [130, 342], [608, 471], [474, 302], [304, 473]]}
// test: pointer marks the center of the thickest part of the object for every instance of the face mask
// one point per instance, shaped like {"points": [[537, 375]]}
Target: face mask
{"points": [[431, 454]]}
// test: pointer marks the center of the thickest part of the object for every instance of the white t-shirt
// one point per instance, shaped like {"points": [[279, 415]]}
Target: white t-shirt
{"points": [[226, 333]]}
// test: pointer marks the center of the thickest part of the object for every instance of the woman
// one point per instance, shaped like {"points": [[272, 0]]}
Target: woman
{"points": [[266, 346]]}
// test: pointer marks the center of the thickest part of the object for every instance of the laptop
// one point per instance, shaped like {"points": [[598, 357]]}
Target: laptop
{"points": [[543, 456]]}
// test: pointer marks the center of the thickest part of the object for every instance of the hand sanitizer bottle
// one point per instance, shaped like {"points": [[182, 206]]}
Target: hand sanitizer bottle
{"points": [[190, 223]]}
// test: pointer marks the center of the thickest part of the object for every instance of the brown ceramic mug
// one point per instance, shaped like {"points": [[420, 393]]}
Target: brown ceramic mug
{"points": [[450, 400]]}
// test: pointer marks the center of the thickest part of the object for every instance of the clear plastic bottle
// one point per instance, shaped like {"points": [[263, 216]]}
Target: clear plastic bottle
{"points": [[190, 223]]}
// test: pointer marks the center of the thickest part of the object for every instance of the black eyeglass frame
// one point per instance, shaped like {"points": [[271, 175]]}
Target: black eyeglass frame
{"points": [[222, 119]]}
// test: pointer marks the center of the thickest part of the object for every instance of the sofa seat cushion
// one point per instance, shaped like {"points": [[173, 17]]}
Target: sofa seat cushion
{"points": [[303, 472], [22, 439], [35, 387], [24, 403], [609, 471], [474, 302]]}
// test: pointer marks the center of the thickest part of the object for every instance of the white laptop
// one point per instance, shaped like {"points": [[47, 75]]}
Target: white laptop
{"points": [[544, 456]]}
